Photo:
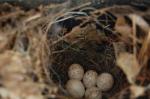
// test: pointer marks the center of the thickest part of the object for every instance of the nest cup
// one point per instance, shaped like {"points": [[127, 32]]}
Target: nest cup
{"points": [[92, 56]]}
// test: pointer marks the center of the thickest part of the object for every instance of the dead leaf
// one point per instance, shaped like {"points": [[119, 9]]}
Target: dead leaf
{"points": [[130, 66], [122, 27], [144, 52], [140, 22], [88, 33], [137, 91], [75, 34]]}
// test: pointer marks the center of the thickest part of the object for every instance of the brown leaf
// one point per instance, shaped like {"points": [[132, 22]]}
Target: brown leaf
{"points": [[137, 91], [130, 66], [140, 22], [88, 33], [122, 27]]}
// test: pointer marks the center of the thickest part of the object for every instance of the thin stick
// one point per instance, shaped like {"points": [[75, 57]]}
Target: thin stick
{"points": [[134, 35]]}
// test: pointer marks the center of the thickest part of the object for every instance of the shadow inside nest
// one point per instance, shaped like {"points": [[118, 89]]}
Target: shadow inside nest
{"points": [[91, 55]]}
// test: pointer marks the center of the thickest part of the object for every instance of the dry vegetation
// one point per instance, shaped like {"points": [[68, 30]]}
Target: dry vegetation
{"points": [[37, 46]]}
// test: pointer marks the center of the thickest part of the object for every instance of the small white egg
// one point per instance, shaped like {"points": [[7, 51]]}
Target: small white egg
{"points": [[76, 72], [93, 93], [105, 81], [75, 88], [89, 78]]}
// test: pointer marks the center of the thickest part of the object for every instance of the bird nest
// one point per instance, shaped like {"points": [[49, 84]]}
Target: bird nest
{"points": [[86, 37]]}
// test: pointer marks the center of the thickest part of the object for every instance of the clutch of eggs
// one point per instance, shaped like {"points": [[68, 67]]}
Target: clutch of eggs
{"points": [[90, 79]]}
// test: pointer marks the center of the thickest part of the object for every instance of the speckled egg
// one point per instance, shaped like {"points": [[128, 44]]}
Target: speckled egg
{"points": [[75, 88], [76, 72], [93, 93], [89, 78], [105, 81]]}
